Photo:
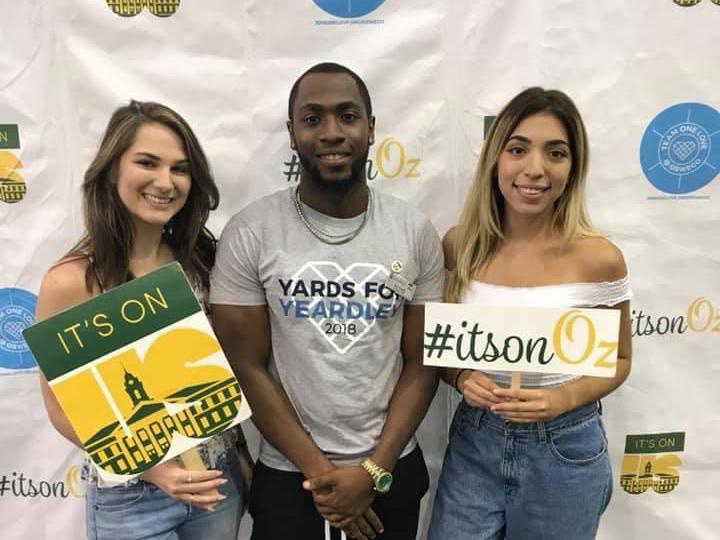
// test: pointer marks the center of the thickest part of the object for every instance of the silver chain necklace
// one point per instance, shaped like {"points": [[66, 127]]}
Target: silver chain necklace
{"points": [[325, 237]]}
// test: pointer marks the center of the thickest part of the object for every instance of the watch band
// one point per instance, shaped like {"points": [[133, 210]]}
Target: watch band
{"points": [[382, 479]]}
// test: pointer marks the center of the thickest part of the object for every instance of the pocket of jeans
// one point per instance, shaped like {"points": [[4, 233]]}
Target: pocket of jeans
{"points": [[461, 419], [580, 444], [115, 499]]}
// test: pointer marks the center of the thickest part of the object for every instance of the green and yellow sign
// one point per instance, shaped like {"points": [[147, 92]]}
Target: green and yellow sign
{"points": [[651, 461], [12, 184], [139, 373], [130, 8]]}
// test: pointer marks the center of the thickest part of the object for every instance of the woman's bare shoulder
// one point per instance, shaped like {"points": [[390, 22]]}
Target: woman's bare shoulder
{"points": [[448, 245], [63, 286], [600, 259]]}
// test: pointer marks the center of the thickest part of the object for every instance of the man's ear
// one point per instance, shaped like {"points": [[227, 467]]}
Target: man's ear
{"points": [[371, 130], [291, 134]]}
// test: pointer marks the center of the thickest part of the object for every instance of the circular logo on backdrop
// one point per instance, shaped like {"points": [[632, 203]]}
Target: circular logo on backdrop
{"points": [[17, 312], [688, 3], [680, 149], [348, 8]]}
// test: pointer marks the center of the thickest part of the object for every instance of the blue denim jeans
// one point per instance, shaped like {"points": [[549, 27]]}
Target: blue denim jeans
{"points": [[142, 511], [542, 481]]}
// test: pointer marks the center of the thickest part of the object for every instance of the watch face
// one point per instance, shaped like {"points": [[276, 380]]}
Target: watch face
{"points": [[384, 482]]}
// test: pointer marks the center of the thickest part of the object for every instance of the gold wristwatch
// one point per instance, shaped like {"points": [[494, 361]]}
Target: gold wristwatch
{"points": [[382, 479]]}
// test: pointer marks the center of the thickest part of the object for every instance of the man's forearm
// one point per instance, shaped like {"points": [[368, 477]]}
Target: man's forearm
{"points": [[244, 332], [275, 418], [409, 403]]}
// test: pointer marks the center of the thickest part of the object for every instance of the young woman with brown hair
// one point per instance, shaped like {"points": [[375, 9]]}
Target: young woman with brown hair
{"points": [[147, 196]]}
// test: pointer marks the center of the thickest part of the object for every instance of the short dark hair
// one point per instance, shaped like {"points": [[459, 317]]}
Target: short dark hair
{"points": [[331, 67]]}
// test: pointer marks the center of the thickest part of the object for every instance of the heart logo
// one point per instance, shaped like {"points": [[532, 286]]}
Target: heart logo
{"points": [[684, 149], [343, 338]]}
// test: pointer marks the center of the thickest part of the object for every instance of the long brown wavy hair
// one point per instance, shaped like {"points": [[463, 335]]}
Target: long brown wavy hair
{"points": [[479, 231], [109, 234]]}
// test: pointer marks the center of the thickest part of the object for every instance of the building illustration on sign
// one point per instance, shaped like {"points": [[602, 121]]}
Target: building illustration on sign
{"points": [[12, 183], [130, 8], [212, 407], [660, 482]]}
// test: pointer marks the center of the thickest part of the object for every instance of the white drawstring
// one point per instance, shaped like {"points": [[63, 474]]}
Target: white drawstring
{"points": [[343, 536]]}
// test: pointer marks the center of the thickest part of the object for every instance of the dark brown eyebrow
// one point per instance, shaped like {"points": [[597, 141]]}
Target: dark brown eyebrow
{"points": [[548, 143], [338, 106], [156, 158], [348, 105], [148, 154]]}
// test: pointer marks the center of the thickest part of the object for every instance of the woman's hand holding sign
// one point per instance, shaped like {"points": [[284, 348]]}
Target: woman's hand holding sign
{"points": [[198, 488], [524, 405], [478, 389]]}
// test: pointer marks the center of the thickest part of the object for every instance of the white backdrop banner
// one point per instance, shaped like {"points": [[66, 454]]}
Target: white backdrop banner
{"points": [[644, 74]]}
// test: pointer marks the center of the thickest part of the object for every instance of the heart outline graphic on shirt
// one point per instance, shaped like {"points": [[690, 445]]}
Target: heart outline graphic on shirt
{"points": [[344, 275]]}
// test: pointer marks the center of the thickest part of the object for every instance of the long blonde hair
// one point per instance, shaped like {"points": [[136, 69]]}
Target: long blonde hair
{"points": [[479, 231]]}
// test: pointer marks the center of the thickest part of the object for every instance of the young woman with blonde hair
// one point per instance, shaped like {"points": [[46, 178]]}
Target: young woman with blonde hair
{"points": [[147, 195], [530, 463]]}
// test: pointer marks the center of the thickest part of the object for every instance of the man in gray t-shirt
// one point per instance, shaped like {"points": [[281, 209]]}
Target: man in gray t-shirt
{"points": [[317, 297]]}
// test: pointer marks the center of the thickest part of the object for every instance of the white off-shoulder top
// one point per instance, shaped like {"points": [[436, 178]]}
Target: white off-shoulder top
{"points": [[582, 295]]}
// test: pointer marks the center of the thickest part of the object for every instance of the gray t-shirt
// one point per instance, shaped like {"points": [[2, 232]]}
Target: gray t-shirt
{"points": [[335, 327]]}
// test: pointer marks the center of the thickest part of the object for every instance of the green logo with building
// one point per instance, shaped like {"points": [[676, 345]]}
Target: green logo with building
{"points": [[12, 183], [652, 461], [130, 8]]}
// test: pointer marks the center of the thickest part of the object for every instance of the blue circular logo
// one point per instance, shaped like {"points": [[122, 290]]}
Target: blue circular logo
{"points": [[17, 312], [348, 8], [680, 149]]}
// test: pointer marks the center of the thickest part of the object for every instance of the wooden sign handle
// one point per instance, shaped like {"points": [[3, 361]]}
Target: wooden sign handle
{"points": [[193, 462], [516, 381]]}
